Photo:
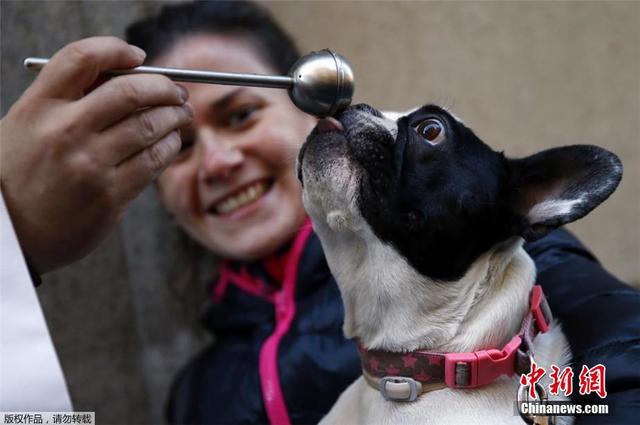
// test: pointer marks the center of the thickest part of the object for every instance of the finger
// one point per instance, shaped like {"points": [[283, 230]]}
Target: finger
{"points": [[121, 96], [141, 130], [139, 170], [75, 67]]}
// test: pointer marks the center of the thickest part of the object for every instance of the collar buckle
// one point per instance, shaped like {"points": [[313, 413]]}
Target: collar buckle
{"points": [[471, 370], [399, 388]]}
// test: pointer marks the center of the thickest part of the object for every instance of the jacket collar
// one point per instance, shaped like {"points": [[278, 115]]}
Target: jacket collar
{"points": [[264, 277]]}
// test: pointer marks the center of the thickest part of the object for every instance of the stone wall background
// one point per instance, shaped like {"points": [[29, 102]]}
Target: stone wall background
{"points": [[525, 76]]}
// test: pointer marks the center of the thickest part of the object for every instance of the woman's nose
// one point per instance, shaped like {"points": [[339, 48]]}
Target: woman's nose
{"points": [[219, 158]]}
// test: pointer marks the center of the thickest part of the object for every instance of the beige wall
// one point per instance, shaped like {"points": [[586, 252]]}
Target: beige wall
{"points": [[524, 75]]}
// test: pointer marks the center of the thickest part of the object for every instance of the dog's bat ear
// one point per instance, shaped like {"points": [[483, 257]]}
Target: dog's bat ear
{"points": [[560, 185]]}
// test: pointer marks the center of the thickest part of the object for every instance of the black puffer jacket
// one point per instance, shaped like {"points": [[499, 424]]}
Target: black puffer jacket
{"points": [[280, 354]]}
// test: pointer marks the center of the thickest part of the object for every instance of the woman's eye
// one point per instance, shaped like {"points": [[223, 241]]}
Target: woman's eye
{"points": [[186, 149], [187, 144], [432, 130], [240, 116]]}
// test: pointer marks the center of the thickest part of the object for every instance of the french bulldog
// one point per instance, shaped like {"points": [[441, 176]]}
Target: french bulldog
{"points": [[422, 225]]}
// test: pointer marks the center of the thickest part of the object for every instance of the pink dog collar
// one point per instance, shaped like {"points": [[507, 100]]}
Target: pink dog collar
{"points": [[404, 376]]}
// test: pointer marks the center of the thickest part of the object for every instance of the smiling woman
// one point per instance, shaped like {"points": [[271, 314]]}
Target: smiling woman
{"points": [[234, 190]]}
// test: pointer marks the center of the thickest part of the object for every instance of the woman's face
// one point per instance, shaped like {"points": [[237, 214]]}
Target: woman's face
{"points": [[233, 187]]}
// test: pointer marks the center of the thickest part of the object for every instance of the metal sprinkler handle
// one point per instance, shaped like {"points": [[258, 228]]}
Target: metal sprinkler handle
{"points": [[320, 83]]}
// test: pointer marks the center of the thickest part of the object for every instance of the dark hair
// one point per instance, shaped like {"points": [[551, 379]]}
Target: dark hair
{"points": [[245, 19]]}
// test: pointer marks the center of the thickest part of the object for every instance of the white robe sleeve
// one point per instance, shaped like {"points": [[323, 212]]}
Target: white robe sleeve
{"points": [[30, 375]]}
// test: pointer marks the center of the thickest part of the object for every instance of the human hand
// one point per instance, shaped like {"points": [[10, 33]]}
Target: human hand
{"points": [[73, 158]]}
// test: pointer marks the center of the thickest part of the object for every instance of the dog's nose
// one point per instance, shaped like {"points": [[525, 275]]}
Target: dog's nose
{"points": [[329, 124]]}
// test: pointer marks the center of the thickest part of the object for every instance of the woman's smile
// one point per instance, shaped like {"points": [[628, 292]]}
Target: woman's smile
{"points": [[243, 197]]}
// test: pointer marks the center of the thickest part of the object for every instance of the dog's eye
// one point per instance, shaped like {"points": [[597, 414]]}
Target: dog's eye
{"points": [[431, 130]]}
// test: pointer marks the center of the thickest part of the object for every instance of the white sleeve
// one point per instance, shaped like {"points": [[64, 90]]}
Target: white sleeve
{"points": [[30, 375]]}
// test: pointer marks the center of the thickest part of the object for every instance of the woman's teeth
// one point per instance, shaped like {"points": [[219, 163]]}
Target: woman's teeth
{"points": [[240, 199]]}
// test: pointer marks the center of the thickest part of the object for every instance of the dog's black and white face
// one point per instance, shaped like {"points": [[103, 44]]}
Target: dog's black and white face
{"points": [[428, 187]]}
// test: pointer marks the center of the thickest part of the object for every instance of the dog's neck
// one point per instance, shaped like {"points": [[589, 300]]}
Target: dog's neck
{"points": [[389, 306]]}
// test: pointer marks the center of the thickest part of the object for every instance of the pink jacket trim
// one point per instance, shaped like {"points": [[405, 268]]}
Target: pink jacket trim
{"points": [[284, 303], [285, 312], [242, 280]]}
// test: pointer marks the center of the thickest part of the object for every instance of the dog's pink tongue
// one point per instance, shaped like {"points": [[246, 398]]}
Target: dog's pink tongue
{"points": [[328, 124]]}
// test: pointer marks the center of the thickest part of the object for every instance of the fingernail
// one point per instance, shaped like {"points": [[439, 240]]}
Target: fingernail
{"points": [[184, 93], [139, 52], [188, 109]]}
